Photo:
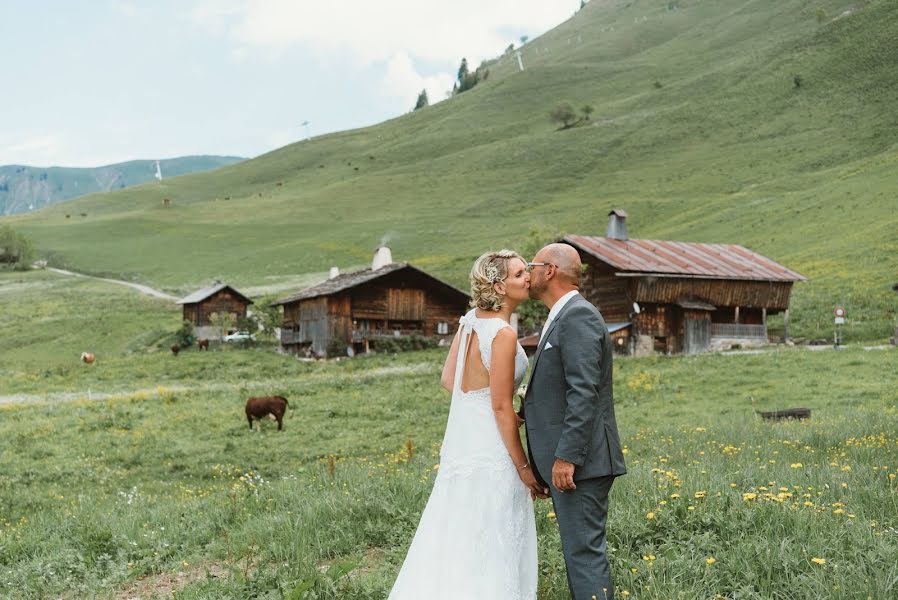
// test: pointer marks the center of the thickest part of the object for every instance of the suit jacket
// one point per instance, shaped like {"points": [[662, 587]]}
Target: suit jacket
{"points": [[569, 404]]}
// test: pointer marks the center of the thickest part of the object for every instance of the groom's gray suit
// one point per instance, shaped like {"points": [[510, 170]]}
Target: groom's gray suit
{"points": [[569, 414]]}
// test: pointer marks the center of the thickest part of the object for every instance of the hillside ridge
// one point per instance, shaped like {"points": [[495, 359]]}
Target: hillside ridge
{"points": [[24, 188]]}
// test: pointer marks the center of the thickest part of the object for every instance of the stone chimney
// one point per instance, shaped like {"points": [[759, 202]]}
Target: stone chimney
{"points": [[617, 225], [382, 258], [334, 272]]}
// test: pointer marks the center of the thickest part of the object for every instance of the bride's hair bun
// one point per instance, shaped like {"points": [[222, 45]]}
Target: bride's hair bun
{"points": [[491, 268]]}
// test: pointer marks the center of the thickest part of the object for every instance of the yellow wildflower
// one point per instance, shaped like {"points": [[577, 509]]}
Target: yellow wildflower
{"points": [[710, 560], [818, 561], [650, 515]]}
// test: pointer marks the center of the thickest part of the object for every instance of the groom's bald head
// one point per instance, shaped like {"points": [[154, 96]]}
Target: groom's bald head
{"points": [[558, 274], [566, 260]]}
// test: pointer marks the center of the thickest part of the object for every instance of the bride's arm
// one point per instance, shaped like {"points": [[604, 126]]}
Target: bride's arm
{"points": [[501, 393], [447, 379]]}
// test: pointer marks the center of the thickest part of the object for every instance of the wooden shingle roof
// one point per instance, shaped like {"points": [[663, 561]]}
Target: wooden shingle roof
{"points": [[356, 278], [200, 295]]}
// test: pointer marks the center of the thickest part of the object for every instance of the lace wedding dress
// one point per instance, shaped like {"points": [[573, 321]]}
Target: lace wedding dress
{"points": [[477, 536]]}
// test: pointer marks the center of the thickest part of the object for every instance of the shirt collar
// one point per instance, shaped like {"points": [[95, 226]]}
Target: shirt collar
{"points": [[556, 308]]}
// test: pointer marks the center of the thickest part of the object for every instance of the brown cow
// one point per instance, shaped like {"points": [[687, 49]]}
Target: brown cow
{"points": [[203, 345], [257, 408], [175, 348], [88, 357]]}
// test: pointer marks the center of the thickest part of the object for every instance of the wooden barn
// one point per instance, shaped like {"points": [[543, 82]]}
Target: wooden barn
{"points": [[219, 298], [354, 311], [672, 297]]}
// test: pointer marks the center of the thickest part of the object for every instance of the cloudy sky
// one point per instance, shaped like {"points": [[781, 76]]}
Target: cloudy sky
{"points": [[103, 81]]}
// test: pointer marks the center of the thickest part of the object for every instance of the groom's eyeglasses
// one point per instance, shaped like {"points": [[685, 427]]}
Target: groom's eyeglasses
{"points": [[532, 265]]}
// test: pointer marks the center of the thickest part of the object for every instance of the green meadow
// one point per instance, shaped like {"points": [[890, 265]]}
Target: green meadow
{"points": [[168, 490], [154, 486], [766, 123]]}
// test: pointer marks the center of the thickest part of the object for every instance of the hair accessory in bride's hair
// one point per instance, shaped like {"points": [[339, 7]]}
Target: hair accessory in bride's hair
{"points": [[492, 273]]}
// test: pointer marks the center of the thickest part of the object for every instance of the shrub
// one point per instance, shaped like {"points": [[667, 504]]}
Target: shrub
{"points": [[336, 347], [184, 335], [16, 250], [565, 114], [406, 344]]}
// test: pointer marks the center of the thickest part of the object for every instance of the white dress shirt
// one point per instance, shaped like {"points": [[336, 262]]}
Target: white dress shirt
{"points": [[556, 308]]}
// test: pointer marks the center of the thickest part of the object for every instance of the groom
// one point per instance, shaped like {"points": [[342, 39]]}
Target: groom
{"points": [[569, 414]]}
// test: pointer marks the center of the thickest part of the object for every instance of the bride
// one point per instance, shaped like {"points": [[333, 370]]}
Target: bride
{"points": [[477, 536]]}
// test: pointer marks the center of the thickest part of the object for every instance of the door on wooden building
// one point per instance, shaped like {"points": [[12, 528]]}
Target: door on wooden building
{"points": [[696, 332]]}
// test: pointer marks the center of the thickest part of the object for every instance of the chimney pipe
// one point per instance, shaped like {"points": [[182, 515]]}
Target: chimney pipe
{"points": [[334, 272], [617, 225], [382, 258]]}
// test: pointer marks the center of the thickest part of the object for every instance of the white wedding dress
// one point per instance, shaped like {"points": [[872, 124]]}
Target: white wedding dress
{"points": [[477, 536]]}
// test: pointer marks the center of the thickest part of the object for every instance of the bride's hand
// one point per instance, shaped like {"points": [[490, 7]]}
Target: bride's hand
{"points": [[529, 479]]}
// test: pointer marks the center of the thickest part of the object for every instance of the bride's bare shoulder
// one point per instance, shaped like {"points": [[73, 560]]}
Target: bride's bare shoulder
{"points": [[505, 337]]}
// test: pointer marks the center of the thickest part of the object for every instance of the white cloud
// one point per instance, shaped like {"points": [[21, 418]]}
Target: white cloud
{"points": [[41, 148], [372, 32], [418, 43], [56, 150], [125, 8], [404, 83]]}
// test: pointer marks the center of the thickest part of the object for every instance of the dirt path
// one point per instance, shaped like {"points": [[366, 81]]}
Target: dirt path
{"points": [[140, 288]]}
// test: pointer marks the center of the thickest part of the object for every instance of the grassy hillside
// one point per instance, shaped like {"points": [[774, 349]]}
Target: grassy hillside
{"points": [[24, 188], [48, 320], [699, 131]]}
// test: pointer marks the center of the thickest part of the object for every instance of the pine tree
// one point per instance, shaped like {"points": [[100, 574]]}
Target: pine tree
{"points": [[462, 73], [422, 100]]}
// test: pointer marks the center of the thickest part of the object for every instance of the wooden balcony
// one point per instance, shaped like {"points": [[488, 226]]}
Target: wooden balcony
{"points": [[290, 337], [359, 335], [738, 331]]}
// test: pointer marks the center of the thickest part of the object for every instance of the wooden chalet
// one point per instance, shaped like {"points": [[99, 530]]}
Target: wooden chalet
{"points": [[672, 297], [357, 310], [218, 298]]}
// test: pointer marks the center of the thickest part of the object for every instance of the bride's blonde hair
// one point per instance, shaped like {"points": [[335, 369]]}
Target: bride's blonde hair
{"points": [[488, 270]]}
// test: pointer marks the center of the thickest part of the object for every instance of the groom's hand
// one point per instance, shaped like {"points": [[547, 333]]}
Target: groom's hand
{"points": [[563, 475]]}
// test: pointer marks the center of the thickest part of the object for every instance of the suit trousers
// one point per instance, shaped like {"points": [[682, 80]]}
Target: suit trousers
{"points": [[581, 516]]}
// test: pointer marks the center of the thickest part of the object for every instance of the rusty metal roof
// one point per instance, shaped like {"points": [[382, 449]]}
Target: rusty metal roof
{"points": [[683, 259], [350, 280]]}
